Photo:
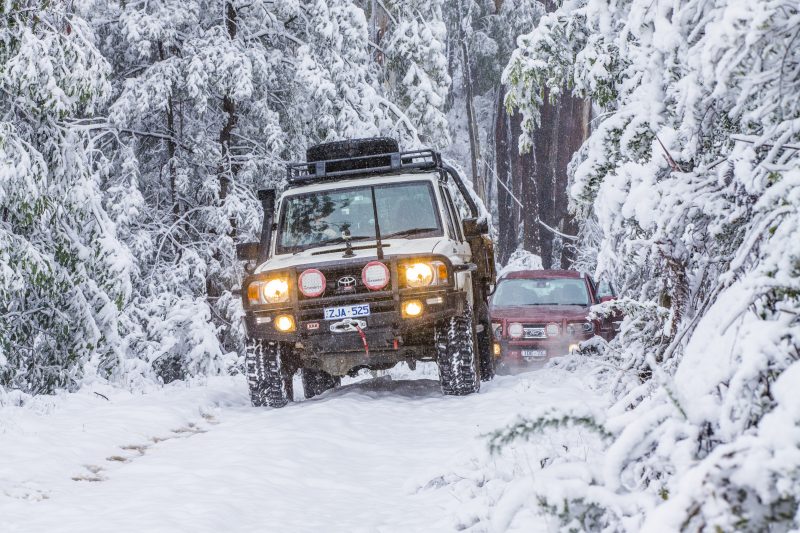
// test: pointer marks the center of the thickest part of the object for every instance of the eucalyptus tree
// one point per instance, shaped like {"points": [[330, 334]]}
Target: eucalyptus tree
{"points": [[64, 274]]}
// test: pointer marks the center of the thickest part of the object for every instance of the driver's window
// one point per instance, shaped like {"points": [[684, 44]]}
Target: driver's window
{"points": [[451, 224], [604, 289]]}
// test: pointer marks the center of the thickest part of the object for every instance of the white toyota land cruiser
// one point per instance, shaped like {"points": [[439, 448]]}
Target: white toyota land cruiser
{"points": [[367, 263]]}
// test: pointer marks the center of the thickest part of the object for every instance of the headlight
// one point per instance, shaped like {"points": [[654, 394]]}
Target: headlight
{"points": [[276, 291], [552, 330], [515, 330], [273, 291], [497, 329], [575, 328], [419, 275], [425, 273]]}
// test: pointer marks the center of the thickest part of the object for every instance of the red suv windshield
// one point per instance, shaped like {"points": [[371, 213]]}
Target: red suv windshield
{"points": [[554, 291]]}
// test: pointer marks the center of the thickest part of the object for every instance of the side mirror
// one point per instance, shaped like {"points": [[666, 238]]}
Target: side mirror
{"points": [[247, 251], [609, 298], [474, 227]]}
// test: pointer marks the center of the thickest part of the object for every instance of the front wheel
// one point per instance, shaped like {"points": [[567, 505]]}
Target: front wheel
{"points": [[269, 373], [485, 341], [315, 382], [456, 355]]}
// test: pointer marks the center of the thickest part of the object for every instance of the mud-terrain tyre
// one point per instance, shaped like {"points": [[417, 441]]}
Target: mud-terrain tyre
{"points": [[269, 373], [315, 382], [456, 355], [484, 338]]}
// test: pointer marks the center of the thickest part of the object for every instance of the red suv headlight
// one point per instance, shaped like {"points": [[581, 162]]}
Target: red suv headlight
{"points": [[515, 330]]}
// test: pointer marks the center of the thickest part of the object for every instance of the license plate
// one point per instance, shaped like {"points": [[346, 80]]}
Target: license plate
{"points": [[534, 354], [346, 311]]}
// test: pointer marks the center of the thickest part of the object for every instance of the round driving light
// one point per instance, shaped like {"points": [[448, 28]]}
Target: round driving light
{"points": [[284, 323], [419, 275], [515, 330], [375, 275], [412, 308], [311, 283], [276, 291], [588, 327], [552, 330]]}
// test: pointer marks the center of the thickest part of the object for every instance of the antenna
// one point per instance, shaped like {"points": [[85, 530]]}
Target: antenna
{"points": [[378, 243]]}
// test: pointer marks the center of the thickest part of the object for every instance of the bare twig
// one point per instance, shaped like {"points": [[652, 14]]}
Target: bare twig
{"points": [[672, 164], [753, 139]]}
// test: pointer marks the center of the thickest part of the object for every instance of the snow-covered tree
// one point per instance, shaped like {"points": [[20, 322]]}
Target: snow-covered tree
{"points": [[690, 189], [334, 69], [64, 275], [417, 69]]}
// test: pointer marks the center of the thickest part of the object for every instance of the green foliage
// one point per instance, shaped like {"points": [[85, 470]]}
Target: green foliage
{"points": [[524, 428], [57, 248]]}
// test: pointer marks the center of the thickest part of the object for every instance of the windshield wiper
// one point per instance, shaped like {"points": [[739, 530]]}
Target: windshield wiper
{"points": [[407, 232], [337, 240], [340, 240]]}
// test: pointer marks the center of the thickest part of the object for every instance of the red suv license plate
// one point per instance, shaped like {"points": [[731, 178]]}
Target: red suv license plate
{"points": [[534, 354]]}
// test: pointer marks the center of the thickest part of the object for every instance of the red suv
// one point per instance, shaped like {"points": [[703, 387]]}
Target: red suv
{"points": [[538, 314]]}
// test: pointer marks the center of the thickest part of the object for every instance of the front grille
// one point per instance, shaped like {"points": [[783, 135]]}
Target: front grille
{"points": [[533, 331], [341, 281]]}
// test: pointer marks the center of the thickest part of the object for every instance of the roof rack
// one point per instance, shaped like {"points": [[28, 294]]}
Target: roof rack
{"points": [[351, 167]]}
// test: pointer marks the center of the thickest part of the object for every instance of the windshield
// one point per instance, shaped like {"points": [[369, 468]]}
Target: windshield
{"points": [[404, 210], [555, 291]]}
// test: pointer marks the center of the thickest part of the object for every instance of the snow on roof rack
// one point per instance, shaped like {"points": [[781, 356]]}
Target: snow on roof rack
{"points": [[352, 167]]}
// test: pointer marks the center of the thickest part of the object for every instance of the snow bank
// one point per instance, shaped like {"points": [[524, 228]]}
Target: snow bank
{"points": [[521, 260]]}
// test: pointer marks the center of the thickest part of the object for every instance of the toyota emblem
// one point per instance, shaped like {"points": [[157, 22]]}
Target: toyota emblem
{"points": [[346, 283]]}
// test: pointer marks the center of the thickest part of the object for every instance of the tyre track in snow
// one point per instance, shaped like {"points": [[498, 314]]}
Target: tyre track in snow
{"points": [[361, 458]]}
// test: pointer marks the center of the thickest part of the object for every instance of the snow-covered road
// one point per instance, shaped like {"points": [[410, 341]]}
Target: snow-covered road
{"points": [[362, 458]]}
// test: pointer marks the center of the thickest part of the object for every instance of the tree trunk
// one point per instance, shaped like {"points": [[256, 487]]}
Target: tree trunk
{"points": [[545, 172], [472, 122], [227, 169], [563, 128], [507, 222], [538, 179], [171, 152], [171, 148], [527, 190], [472, 127]]}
